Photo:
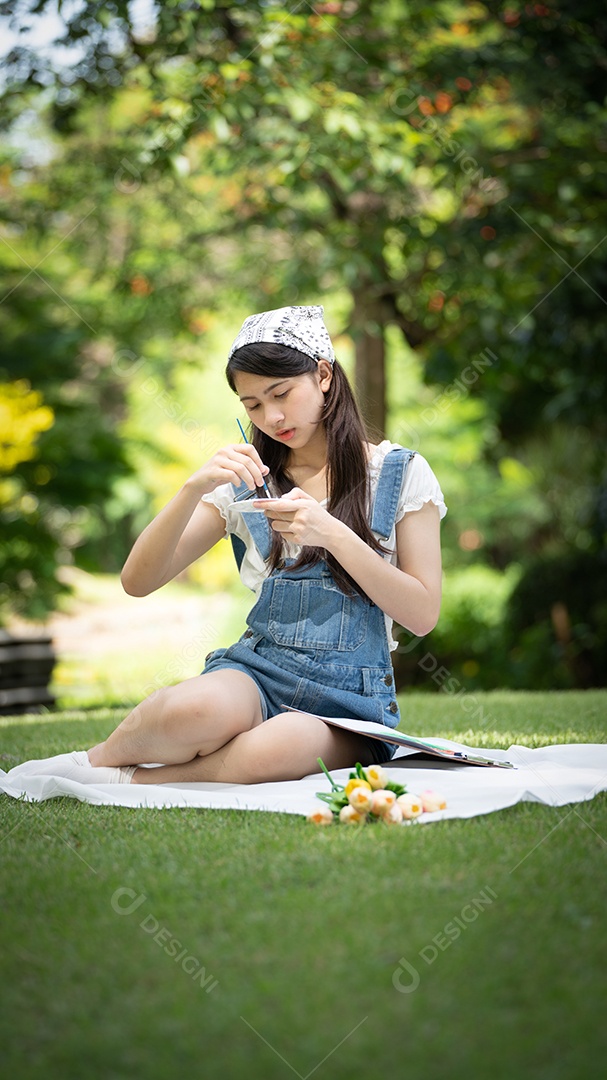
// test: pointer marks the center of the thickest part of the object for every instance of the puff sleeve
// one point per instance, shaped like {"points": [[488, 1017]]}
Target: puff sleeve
{"points": [[419, 486]]}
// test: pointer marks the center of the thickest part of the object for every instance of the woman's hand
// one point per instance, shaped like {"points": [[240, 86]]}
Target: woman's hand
{"points": [[230, 465], [301, 519], [187, 527]]}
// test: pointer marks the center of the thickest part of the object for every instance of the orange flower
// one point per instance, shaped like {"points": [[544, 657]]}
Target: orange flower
{"points": [[411, 806], [443, 102], [381, 801], [140, 285], [349, 816], [360, 798], [321, 816], [356, 782], [376, 776], [431, 801], [393, 816]]}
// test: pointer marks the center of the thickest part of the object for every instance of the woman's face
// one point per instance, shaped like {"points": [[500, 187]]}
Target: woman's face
{"points": [[288, 409]]}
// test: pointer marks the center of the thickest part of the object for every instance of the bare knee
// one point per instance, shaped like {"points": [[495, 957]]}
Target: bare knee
{"points": [[285, 747], [210, 705]]}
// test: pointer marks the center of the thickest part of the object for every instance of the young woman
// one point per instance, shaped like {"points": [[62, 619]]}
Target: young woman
{"points": [[352, 545]]}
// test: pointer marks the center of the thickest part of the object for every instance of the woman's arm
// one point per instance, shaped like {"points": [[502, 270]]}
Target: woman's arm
{"points": [[187, 528], [409, 593], [183, 531]]}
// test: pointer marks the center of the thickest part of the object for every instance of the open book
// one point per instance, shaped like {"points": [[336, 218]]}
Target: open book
{"points": [[450, 751]]}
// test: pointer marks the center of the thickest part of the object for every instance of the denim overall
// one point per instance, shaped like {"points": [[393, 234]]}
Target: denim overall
{"points": [[309, 646]]}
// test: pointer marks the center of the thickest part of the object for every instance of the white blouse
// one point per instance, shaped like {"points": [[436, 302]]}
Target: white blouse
{"points": [[419, 486]]}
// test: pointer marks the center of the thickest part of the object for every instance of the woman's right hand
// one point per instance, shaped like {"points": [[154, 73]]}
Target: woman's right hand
{"points": [[231, 465]]}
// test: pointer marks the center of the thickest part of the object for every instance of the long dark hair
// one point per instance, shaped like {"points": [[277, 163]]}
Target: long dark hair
{"points": [[347, 463]]}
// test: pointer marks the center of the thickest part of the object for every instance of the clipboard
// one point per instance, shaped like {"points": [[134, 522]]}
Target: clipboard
{"points": [[459, 754]]}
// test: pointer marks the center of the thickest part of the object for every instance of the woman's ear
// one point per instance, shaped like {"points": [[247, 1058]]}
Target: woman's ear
{"points": [[325, 372]]}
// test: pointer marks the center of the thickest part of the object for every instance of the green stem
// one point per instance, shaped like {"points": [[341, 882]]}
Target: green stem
{"points": [[335, 786]]}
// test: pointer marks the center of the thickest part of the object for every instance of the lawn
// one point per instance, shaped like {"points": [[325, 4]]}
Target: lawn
{"points": [[156, 943]]}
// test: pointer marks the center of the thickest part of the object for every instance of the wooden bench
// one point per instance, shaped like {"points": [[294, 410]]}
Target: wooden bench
{"points": [[26, 665]]}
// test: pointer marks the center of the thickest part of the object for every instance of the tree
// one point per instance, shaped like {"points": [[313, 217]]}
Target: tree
{"points": [[419, 156], [303, 115], [400, 149]]}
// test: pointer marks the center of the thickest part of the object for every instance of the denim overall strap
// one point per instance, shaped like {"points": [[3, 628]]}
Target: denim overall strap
{"points": [[384, 506], [309, 645], [259, 528], [388, 491]]}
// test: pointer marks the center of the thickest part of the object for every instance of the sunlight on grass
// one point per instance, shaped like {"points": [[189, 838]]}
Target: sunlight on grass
{"points": [[115, 649]]}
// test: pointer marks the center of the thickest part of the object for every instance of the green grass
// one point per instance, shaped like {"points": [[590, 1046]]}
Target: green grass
{"points": [[300, 930]]}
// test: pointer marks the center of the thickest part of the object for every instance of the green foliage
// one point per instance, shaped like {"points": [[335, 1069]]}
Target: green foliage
{"points": [[438, 169], [556, 622], [55, 491], [472, 613], [23, 417], [467, 650]]}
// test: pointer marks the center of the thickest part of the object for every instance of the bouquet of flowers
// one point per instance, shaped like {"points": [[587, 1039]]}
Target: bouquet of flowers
{"points": [[370, 795]]}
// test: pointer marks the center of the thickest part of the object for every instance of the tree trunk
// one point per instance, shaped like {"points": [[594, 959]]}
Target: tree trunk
{"points": [[368, 323]]}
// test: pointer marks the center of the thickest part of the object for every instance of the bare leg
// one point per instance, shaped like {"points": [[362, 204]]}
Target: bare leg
{"points": [[180, 722], [286, 747]]}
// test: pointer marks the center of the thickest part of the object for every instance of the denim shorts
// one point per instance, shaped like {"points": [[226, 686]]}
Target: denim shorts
{"points": [[281, 689]]}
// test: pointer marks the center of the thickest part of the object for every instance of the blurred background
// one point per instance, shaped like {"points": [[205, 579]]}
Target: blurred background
{"points": [[435, 175]]}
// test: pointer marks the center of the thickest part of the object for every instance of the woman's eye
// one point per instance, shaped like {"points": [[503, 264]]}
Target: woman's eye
{"points": [[251, 408]]}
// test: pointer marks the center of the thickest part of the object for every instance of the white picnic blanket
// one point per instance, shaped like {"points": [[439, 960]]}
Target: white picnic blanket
{"points": [[553, 775]]}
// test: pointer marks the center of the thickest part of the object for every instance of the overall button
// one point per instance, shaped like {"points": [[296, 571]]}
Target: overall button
{"points": [[208, 657], [248, 633], [393, 707], [388, 680]]}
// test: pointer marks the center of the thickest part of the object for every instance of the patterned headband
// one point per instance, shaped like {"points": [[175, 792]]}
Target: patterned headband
{"points": [[299, 328]]}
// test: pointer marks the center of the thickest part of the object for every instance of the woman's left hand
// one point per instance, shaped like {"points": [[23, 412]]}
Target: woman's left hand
{"points": [[301, 519]]}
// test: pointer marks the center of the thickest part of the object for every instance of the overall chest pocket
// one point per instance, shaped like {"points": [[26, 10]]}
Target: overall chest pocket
{"points": [[315, 614]]}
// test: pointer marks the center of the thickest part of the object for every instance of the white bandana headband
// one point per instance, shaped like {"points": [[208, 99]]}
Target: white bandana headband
{"points": [[299, 328]]}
